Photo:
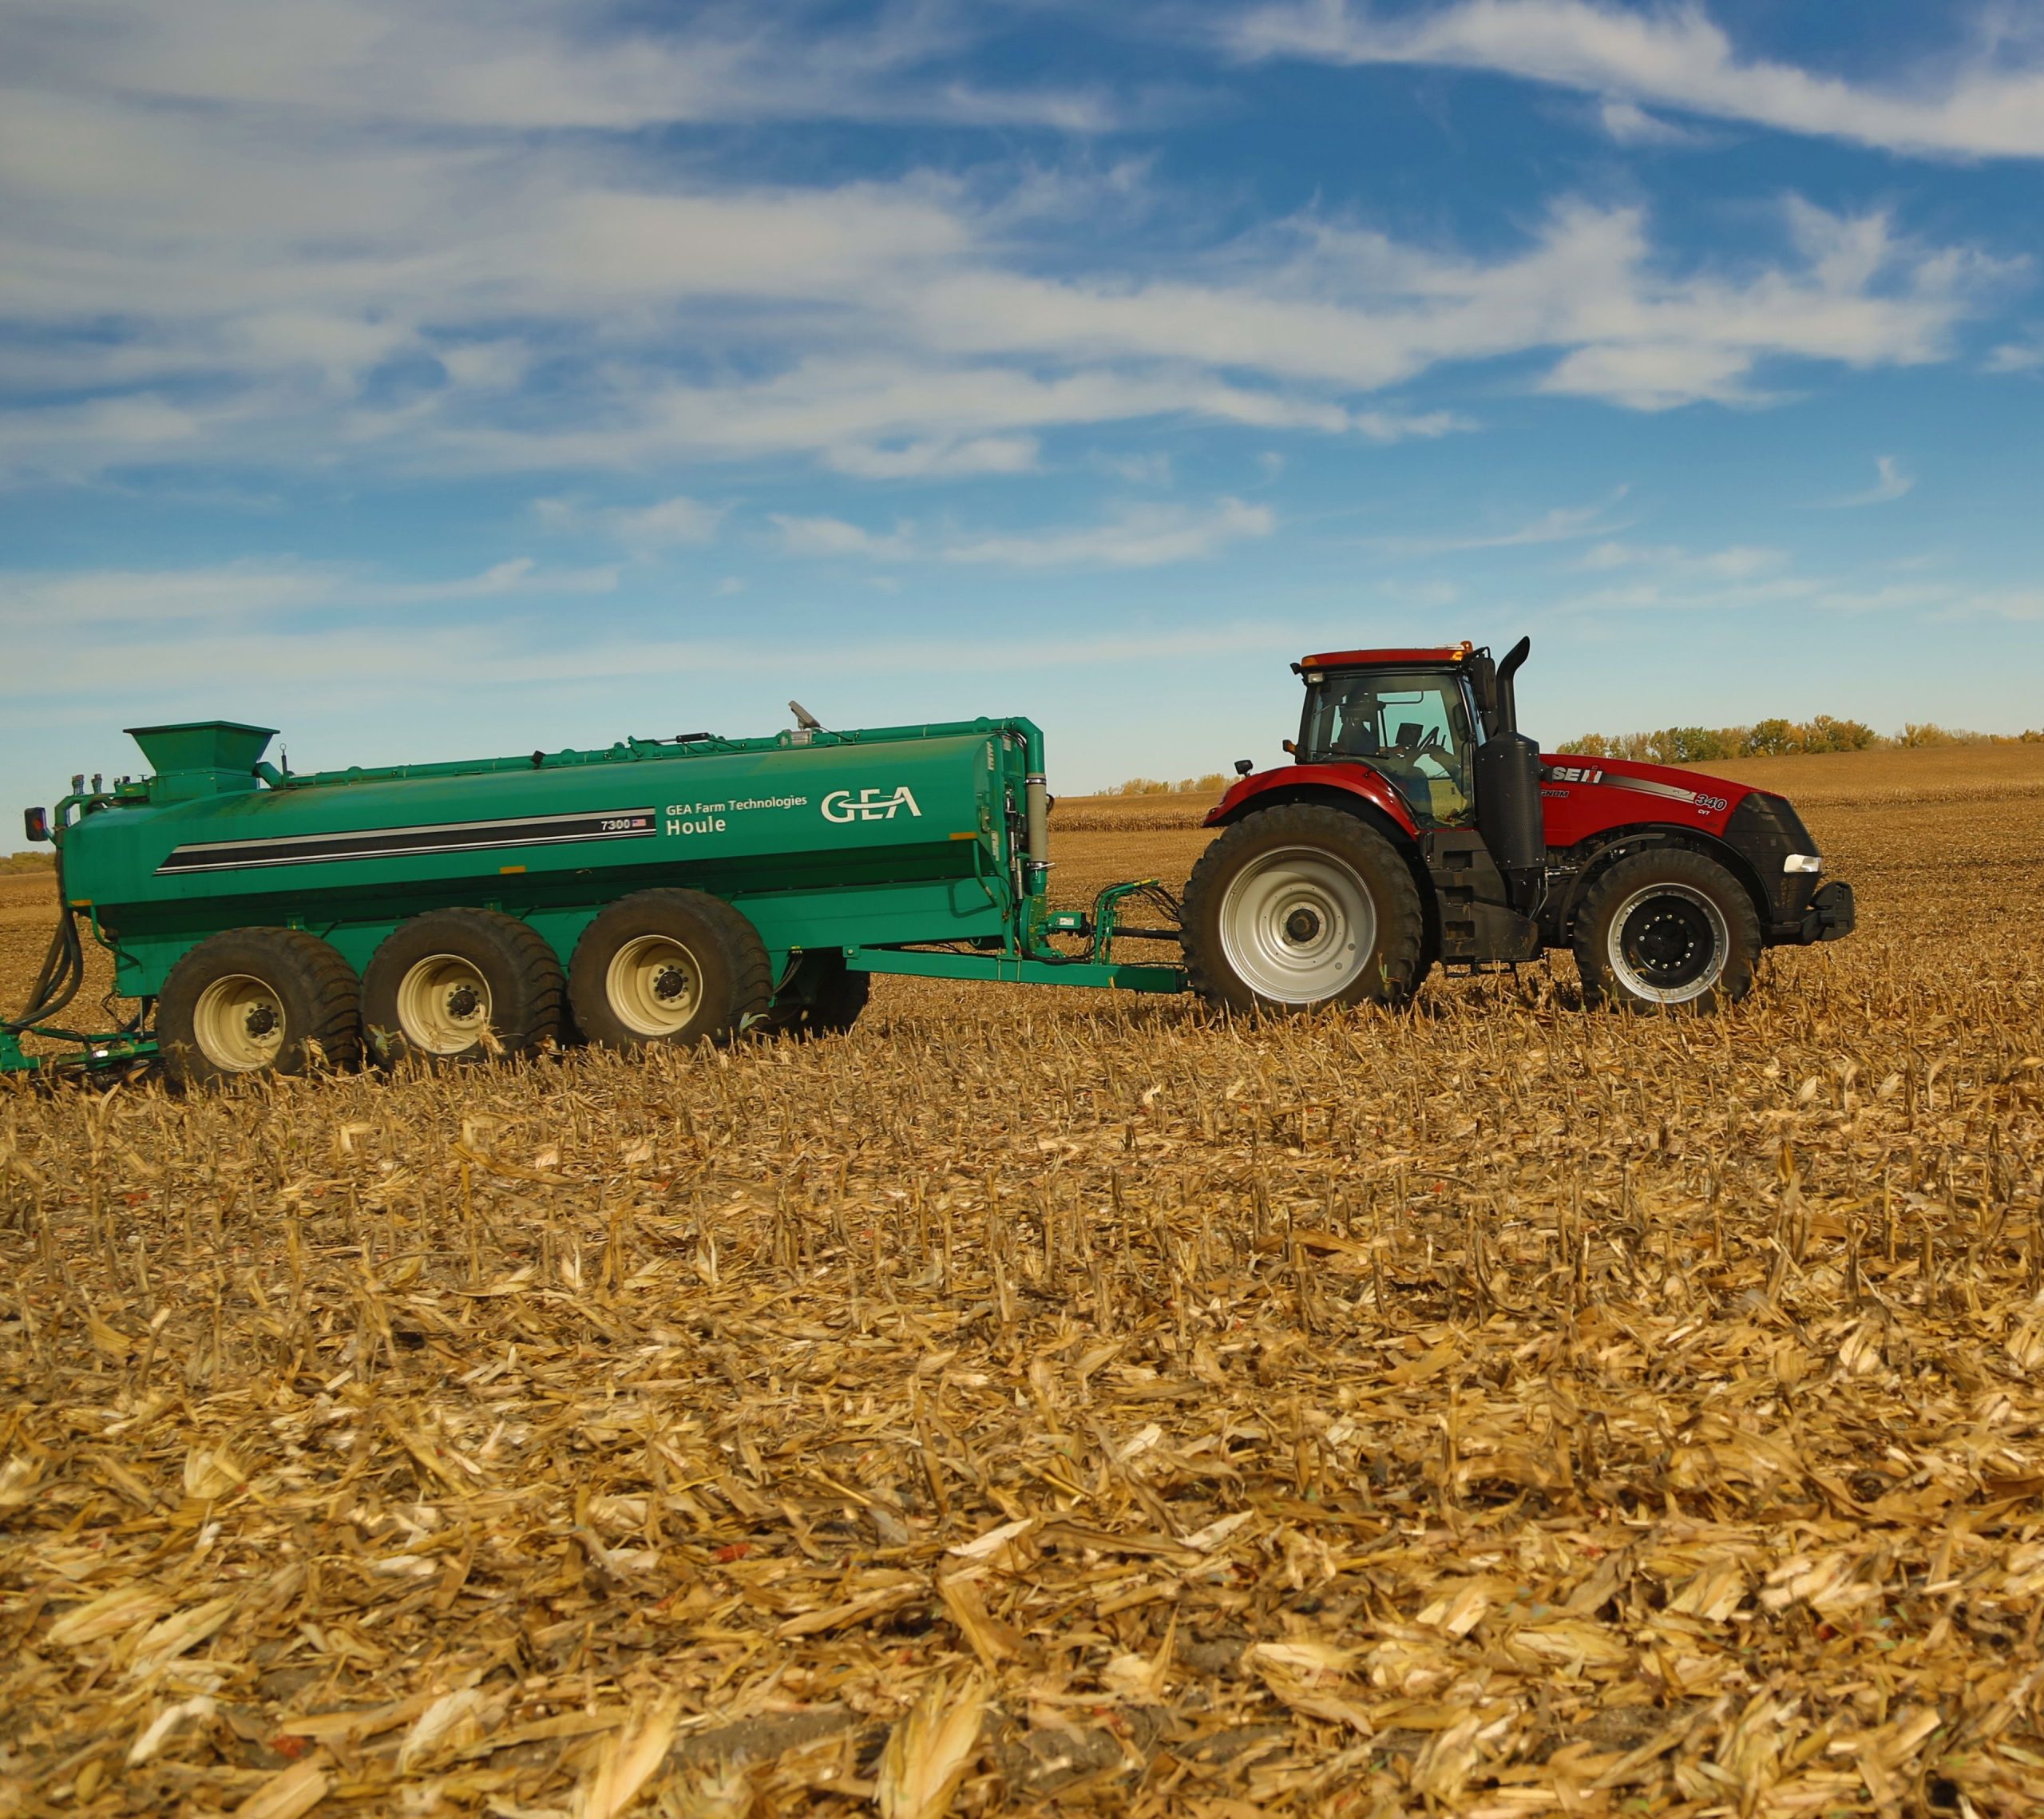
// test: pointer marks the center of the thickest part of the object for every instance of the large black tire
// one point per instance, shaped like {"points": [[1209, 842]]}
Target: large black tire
{"points": [[461, 985], [823, 998], [668, 966], [249, 1001], [1299, 906], [1667, 929]]}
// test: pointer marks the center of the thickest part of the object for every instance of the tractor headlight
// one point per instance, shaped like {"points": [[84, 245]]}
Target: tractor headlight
{"points": [[1802, 862]]}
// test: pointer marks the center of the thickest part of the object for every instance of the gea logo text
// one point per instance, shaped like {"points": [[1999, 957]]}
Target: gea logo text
{"points": [[869, 805]]}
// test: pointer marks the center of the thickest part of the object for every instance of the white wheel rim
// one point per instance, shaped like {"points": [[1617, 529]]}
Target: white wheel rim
{"points": [[443, 1004], [1668, 944], [1297, 925], [654, 986], [239, 1024]]}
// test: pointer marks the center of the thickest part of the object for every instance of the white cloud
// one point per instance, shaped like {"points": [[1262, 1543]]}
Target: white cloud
{"points": [[834, 537], [2016, 356], [935, 457], [1142, 535], [1151, 469], [521, 575], [434, 236], [1651, 375], [1890, 482], [1978, 103], [1739, 562], [45, 606], [1139, 537], [1565, 523], [661, 525], [1631, 125], [483, 65]]}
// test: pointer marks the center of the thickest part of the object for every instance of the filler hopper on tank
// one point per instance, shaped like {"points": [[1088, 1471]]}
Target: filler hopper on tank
{"points": [[201, 758]]}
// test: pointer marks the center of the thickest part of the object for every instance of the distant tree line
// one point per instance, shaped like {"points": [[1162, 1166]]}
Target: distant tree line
{"points": [[1778, 738], [1213, 784]]}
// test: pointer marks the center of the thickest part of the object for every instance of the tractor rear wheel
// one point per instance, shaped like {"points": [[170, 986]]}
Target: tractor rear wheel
{"points": [[823, 998], [676, 967], [461, 985], [1302, 905], [250, 1001], [1667, 929]]}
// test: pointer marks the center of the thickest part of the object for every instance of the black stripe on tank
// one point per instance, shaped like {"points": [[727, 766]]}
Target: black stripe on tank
{"points": [[402, 843]]}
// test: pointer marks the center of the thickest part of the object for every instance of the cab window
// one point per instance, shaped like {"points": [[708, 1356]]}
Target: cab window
{"points": [[1415, 728]]}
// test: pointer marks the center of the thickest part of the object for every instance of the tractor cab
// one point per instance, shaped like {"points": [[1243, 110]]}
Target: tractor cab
{"points": [[1411, 715]]}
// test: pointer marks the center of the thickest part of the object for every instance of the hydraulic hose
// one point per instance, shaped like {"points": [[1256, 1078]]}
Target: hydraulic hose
{"points": [[63, 968]]}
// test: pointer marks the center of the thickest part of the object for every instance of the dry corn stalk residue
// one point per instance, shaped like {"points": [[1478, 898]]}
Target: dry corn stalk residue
{"points": [[1040, 1400]]}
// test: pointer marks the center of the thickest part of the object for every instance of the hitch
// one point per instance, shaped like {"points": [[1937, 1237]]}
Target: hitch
{"points": [[116, 1048]]}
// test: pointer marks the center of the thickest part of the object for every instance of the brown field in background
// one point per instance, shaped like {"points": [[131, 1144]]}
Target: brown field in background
{"points": [[1497, 1409]]}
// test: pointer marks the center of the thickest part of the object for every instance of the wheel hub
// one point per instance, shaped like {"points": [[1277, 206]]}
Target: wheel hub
{"points": [[1297, 925], [654, 986], [443, 1005], [238, 1023], [1668, 944]]}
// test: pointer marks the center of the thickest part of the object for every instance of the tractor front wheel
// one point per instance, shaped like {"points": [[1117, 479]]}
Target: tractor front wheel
{"points": [[1299, 906], [1667, 929]]}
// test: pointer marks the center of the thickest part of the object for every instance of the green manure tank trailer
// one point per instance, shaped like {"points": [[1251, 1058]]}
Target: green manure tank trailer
{"points": [[671, 891]]}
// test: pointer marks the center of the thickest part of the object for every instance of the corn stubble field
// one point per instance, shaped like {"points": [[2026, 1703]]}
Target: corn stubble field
{"points": [[1047, 1400]]}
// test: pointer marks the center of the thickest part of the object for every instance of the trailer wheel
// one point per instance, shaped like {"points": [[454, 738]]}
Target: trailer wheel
{"points": [[1302, 905], [258, 1001], [1667, 929], [461, 985], [673, 966], [824, 998]]}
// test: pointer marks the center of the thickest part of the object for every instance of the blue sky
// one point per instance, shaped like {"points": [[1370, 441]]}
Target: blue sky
{"points": [[434, 378]]}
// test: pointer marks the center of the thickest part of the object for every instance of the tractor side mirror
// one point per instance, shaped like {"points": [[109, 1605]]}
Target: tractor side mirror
{"points": [[1484, 685]]}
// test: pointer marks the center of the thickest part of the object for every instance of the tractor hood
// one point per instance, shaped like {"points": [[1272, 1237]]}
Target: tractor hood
{"points": [[1623, 789]]}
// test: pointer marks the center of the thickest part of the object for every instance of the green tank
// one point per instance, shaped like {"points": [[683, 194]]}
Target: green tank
{"points": [[653, 890]]}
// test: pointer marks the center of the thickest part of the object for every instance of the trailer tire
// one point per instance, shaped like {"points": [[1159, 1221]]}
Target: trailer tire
{"points": [[252, 1002], [1667, 929], [675, 967], [823, 998], [1300, 906], [461, 985]]}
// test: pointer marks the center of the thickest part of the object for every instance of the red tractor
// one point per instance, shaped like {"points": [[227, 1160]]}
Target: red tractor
{"points": [[1417, 824]]}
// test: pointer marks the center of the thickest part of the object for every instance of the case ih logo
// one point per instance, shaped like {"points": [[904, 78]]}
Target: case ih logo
{"points": [[869, 805]]}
